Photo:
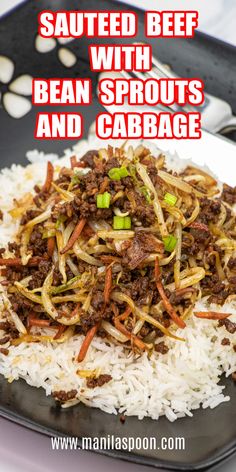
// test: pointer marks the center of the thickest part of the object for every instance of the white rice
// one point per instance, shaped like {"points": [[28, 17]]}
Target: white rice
{"points": [[174, 384]]}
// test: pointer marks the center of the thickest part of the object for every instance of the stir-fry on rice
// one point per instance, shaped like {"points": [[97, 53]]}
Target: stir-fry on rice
{"points": [[118, 288]]}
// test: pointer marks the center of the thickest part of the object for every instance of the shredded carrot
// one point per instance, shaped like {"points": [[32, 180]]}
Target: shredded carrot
{"points": [[140, 344], [169, 308], [125, 314], [49, 178], [115, 309], [16, 261], [50, 246], [212, 315], [108, 284], [60, 331], [86, 342], [75, 311], [104, 185], [33, 321], [76, 233]]}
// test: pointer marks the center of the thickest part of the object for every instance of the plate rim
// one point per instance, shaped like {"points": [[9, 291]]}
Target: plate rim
{"points": [[202, 465]]}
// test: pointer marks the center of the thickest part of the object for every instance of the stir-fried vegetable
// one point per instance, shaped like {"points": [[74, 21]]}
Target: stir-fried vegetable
{"points": [[117, 173], [49, 307], [75, 235], [169, 308], [170, 199], [49, 177], [156, 203], [212, 315], [170, 243], [121, 222], [165, 240], [87, 341], [103, 200], [108, 285]]}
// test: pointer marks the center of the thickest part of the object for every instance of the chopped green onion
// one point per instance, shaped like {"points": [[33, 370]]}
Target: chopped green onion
{"points": [[60, 219], [114, 174], [75, 180], [103, 200], [48, 234], [132, 173], [124, 172], [170, 243], [170, 199], [118, 222], [146, 192], [121, 222], [117, 173], [127, 222]]}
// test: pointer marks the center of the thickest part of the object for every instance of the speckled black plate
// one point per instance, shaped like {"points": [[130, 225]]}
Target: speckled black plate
{"points": [[211, 434]]}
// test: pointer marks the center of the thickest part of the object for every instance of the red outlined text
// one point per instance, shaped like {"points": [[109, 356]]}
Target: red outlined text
{"points": [[151, 91], [170, 24], [148, 126], [58, 91], [113, 57], [75, 24], [58, 126]]}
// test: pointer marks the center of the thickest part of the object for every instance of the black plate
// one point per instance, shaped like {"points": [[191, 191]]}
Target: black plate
{"points": [[211, 434]]}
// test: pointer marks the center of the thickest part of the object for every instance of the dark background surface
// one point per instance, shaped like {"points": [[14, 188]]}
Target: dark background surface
{"points": [[210, 434]]}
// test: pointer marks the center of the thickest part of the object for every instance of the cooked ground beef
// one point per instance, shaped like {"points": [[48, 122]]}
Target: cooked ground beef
{"points": [[21, 305], [161, 348], [142, 290], [225, 342], [2, 250], [141, 211], [88, 158], [5, 325], [229, 194], [99, 381], [14, 248], [219, 291], [201, 238], [232, 263], [97, 300], [64, 396], [5, 339], [130, 274], [229, 325], [39, 275], [4, 351], [29, 215], [209, 210], [37, 245], [113, 162], [87, 320], [138, 249]]}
